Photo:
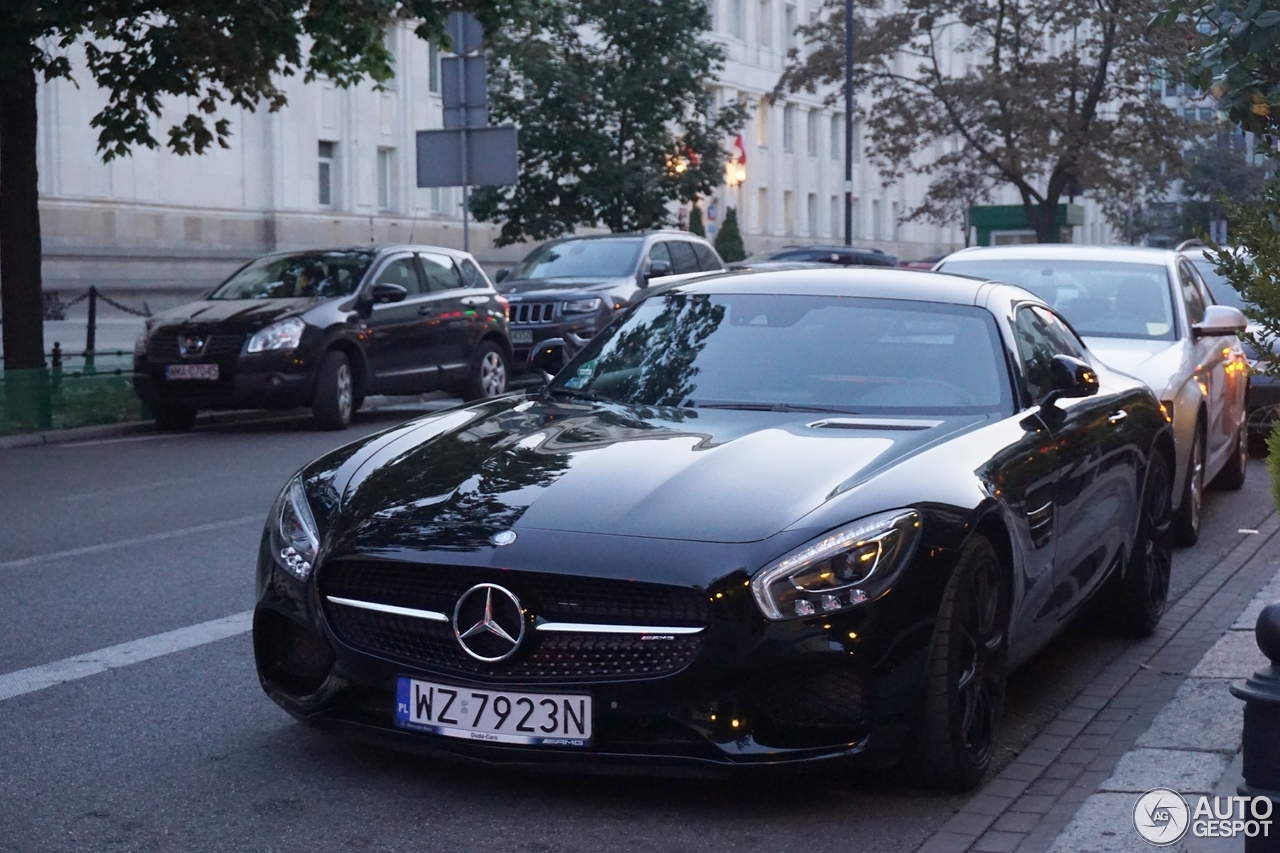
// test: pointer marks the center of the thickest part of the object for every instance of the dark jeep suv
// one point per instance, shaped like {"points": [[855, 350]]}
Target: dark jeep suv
{"points": [[323, 328], [569, 289]]}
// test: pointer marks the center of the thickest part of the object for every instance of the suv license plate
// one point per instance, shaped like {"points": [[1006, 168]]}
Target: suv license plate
{"points": [[493, 716], [191, 371], [522, 336]]}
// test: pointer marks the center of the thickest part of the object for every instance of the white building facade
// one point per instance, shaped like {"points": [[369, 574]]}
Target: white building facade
{"points": [[337, 167]]}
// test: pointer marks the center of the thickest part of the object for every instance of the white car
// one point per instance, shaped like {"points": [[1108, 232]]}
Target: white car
{"points": [[1148, 313]]}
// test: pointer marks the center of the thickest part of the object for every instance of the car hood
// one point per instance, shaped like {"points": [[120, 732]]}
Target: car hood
{"points": [[1154, 362], [701, 475], [241, 314], [561, 288]]}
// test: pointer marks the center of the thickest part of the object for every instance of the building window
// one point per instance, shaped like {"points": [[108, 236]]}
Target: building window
{"points": [[762, 210], [384, 177], [737, 20], [855, 214], [1206, 114], [835, 216], [433, 68], [762, 122], [895, 222], [837, 136], [437, 204], [789, 212], [789, 127], [325, 175], [812, 214], [789, 21], [765, 33], [876, 233], [857, 141], [812, 133]]}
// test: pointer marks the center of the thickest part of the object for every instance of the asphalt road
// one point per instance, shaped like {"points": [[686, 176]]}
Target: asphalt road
{"points": [[105, 542]]}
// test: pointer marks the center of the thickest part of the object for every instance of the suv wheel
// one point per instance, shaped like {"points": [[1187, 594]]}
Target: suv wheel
{"points": [[488, 373], [335, 392]]}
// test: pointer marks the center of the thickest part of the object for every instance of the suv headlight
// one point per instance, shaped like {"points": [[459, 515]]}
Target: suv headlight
{"points": [[840, 569], [295, 538], [582, 306], [286, 334], [140, 345]]}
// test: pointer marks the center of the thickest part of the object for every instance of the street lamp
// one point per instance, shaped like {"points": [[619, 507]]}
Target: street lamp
{"points": [[735, 172]]}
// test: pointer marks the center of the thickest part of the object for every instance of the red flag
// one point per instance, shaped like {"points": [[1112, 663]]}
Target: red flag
{"points": [[742, 149]]}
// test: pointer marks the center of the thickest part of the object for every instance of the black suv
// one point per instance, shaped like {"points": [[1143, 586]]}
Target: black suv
{"points": [[323, 328], [569, 289], [846, 256]]}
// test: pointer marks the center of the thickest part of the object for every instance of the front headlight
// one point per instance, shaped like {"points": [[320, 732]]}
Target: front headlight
{"points": [[582, 306], [840, 569], [140, 345], [295, 538], [286, 334]]}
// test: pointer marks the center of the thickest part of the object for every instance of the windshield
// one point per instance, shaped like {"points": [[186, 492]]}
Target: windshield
{"points": [[606, 258], [821, 353], [1223, 291], [1104, 299], [321, 275]]}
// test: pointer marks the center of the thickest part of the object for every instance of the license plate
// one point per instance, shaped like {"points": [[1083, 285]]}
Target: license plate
{"points": [[522, 336], [493, 716], [191, 371]]}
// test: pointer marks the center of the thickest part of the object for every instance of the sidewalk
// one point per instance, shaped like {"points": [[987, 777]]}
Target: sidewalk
{"points": [[1160, 715]]}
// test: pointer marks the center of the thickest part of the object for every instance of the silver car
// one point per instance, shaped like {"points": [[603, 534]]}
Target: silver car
{"points": [[1147, 312]]}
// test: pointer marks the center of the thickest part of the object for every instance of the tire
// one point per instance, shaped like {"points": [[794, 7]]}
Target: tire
{"points": [[334, 398], [1186, 520], [1231, 477], [174, 419], [959, 722], [488, 376], [1141, 593]]}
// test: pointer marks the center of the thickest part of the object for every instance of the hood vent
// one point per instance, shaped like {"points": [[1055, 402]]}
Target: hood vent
{"points": [[874, 423]]}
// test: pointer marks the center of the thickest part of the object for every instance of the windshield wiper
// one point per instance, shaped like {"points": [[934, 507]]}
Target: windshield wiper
{"points": [[767, 407]]}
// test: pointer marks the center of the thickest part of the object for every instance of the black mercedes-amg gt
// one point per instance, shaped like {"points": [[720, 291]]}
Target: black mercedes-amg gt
{"points": [[761, 519]]}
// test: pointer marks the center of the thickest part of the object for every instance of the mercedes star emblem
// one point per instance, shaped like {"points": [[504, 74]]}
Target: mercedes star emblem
{"points": [[488, 622], [503, 537]]}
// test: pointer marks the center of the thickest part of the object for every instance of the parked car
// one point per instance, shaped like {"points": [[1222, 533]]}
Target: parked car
{"points": [[1147, 312], [802, 518], [1264, 390], [924, 264], [565, 291], [324, 328], [845, 256]]}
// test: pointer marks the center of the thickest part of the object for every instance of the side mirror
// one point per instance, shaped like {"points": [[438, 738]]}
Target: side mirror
{"points": [[385, 292], [1071, 378], [657, 269], [501, 275], [1220, 320]]}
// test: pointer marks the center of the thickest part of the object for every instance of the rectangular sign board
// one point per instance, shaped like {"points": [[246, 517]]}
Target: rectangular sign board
{"points": [[492, 157]]}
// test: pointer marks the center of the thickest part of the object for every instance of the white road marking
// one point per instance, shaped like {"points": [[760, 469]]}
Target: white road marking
{"points": [[35, 678], [84, 496], [125, 543]]}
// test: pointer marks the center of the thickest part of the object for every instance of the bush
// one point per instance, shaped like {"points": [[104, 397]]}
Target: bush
{"points": [[695, 222], [729, 238]]}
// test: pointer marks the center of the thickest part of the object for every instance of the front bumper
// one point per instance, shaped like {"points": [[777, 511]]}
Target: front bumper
{"points": [[274, 380], [526, 336], [849, 687], [1263, 403]]}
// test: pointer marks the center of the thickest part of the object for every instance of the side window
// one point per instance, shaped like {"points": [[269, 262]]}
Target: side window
{"points": [[1036, 349], [401, 271], [1191, 294], [441, 273], [1060, 333], [682, 254], [658, 252], [708, 260], [472, 276]]}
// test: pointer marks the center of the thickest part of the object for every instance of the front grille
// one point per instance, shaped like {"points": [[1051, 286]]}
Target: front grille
{"points": [[542, 656], [164, 346], [533, 312]]}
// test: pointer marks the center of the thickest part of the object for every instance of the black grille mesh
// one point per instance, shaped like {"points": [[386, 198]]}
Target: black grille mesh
{"points": [[164, 345], [543, 655]]}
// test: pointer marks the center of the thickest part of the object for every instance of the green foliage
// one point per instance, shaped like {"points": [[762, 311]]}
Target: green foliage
{"points": [[1236, 57], [1252, 265], [610, 98], [695, 222], [215, 55], [1026, 103], [729, 238], [1273, 462]]}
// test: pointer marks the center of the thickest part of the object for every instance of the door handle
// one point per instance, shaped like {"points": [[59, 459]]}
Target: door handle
{"points": [[1117, 418], [474, 300], [424, 310]]}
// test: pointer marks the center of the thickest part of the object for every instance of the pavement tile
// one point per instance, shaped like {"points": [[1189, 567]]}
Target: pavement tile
{"points": [[998, 842], [1203, 715], [1077, 755], [1003, 787], [1016, 822], [987, 804], [969, 823], [1032, 803], [1021, 771], [1235, 655], [1104, 824], [1183, 771], [1049, 787], [947, 842], [1249, 618]]}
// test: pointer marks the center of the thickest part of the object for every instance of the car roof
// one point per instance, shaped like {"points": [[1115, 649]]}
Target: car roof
{"points": [[639, 235], [823, 248], [1064, 252], [870, 282]]}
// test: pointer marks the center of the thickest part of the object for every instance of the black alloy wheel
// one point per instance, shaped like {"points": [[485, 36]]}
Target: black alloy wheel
{"points": [[1186, 521], [334, 398], [1142, 591], [174, 418], [1231, 477], [965, 684]]}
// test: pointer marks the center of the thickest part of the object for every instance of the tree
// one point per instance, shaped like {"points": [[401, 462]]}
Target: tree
{"points": [[615, 118], [1051, 99], [729, 238], [231, 53], [1236, 57], [695, 221], [1220, 171]]}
